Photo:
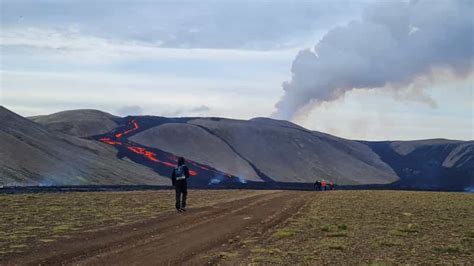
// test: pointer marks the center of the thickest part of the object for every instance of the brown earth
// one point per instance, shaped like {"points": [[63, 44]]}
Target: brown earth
{"points": [[368, 228], [173, 238], [238, 227]]}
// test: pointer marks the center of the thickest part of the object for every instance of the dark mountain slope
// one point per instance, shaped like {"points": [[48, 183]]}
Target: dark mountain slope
{"points": [[438, 163], [197, 144], [288, 153], [260, 149], [31, 154]]}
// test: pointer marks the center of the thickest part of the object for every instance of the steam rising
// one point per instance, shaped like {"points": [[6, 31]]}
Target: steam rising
{"points": [[392, 45]]}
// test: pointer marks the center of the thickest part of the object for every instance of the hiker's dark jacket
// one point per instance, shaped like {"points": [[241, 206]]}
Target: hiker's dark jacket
{"points": [[176, 180]]}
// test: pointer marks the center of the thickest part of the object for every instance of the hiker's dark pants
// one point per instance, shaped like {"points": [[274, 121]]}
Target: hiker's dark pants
{"points": [[181, 188]]}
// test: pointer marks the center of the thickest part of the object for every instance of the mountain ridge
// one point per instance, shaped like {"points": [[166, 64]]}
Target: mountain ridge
{"points": [[268, 150], [32, 154]]}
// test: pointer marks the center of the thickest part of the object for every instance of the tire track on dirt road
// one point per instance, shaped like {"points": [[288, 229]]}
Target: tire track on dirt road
{"points": [[173, 238]]}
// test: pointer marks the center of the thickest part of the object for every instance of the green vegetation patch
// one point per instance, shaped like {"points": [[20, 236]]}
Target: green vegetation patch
{"points": [[326, 228], [390, 242], [409, 229], [337, 234], [470, 234], [448, 249], [46, 240], [333, 227], [336, 246], [342, 227], [227, 255], [286, 232]]}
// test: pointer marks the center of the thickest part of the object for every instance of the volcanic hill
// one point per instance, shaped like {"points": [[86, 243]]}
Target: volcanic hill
{"points": [[32, 154], [219, 150]]}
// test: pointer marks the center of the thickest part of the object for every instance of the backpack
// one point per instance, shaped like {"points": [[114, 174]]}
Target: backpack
{"points": [[179, 173]]}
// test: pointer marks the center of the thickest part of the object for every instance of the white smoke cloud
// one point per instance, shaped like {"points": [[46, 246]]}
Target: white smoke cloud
{"points": [[390, 47]]}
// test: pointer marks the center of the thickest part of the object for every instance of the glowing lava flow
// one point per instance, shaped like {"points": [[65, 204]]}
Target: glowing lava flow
{"points": [[135, 127], [110, 142], [163, 159]]}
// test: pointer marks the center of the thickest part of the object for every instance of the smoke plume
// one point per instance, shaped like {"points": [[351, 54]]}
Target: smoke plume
{"points": [[390, 47]]}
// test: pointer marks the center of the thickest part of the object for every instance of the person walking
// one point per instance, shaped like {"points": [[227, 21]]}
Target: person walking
{"points": [[317, 185], [323, 185], [178, 177]]}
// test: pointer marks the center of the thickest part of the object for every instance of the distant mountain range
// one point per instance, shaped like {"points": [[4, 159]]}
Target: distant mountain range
{"points": [[83, 147]]}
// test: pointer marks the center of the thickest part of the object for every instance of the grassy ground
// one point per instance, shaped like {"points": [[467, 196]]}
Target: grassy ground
{"points": [[374, 227], [338, 227], [29, 220]]}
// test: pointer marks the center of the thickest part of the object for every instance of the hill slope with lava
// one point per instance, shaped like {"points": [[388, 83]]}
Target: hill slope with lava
{"points": [[257, 150], [32, 154]]}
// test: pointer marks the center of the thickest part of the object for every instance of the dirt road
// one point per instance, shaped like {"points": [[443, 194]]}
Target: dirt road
{"points": [[174, 238]]}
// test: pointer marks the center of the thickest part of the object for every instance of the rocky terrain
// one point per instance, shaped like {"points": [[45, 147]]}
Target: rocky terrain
{"points": [[32, 154], [436, 163], [65, 148]]}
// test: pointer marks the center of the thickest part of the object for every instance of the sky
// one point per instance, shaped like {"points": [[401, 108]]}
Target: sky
{"points": [[245, 59]]}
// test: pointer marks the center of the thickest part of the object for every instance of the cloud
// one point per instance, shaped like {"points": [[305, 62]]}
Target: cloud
{"points": [[33, 93], [201, 110], [129, 110], [377, 115], [248, 24], [73, 45], [390, 47]]}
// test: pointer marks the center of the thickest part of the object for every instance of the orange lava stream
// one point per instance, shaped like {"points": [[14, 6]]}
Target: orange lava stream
{"points": [[135, 127], [146, 153], [111, 142]]}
